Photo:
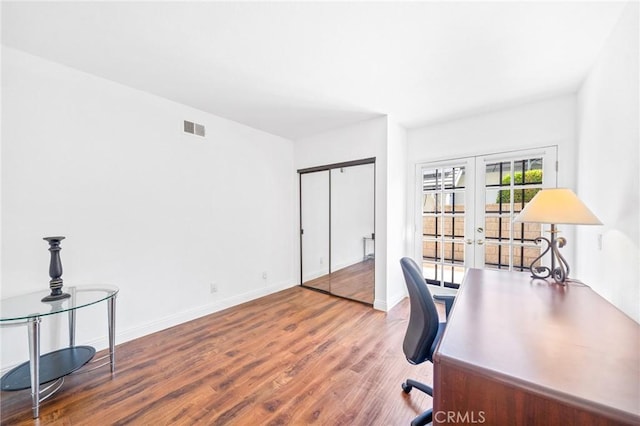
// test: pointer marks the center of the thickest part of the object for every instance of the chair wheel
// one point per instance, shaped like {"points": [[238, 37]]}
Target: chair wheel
{"points": [[406, 388]]}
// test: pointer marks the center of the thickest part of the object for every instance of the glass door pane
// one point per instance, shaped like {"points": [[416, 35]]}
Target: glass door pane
{"points": [[444, 217], [508, 184], [352, 232], [314, 218], [467, 207]]}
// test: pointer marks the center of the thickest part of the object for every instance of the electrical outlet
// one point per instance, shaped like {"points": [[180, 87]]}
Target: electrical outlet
{"points": [[213, 287]]}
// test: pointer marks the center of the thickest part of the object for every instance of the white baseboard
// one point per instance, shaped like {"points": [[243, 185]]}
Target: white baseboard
{"points": [[313, 275], [188, 315], [385, 306], [380, 305], [395, 299], [352, 261]]}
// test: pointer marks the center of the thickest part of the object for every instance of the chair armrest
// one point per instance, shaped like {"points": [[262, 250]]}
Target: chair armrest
{"points": [[448, 302]]}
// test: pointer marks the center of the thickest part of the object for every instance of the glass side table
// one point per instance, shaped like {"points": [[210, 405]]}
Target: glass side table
{"points": [[28, 310]]}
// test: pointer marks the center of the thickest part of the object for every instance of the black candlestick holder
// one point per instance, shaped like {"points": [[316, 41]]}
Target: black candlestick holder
{"points": [[55, 270]]}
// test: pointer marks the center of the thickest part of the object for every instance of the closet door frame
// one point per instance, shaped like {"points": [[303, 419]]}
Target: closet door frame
{"points": [[329, 167]]}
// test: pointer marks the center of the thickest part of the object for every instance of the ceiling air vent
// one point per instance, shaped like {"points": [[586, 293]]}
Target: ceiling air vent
{"points": [[193, 128]]}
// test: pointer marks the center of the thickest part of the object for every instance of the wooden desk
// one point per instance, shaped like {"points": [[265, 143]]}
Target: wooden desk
{"points": [[519, 351]]}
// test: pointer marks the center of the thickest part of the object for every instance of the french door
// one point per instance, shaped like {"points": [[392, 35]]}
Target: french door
{"points": [[467, 206]]}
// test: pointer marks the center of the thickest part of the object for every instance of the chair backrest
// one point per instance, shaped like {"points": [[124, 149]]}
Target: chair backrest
{"points": [[423, 318]]}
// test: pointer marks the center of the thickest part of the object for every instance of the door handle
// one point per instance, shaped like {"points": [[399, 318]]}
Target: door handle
{"points": [[480, 242], [468, 241]]}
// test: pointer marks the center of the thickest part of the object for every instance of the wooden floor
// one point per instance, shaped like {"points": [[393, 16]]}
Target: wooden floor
{"points": [[353, 282], [292, 358]]}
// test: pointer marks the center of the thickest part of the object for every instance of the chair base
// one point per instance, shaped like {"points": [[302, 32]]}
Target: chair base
{"points": [[423, 419], [427, 416], [410, 384]]}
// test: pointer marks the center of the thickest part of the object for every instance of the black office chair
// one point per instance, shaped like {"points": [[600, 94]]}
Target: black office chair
{"points": [[424, 329]]}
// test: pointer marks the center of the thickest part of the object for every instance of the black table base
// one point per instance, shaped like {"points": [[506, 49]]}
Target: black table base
{"points": [[53, 365]]}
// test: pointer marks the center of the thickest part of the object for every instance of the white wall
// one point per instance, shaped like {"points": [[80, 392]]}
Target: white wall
{"points": [[531, 125], [361, 140], [608, 179], [396, 211], [537, 124], [143, 206], [1, 171]]}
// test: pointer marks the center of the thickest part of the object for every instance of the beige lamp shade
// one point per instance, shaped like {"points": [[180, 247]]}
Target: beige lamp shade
{"points": [[557, 206]]}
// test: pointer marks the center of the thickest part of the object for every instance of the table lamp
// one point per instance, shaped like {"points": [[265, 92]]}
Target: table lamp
{"points": [[555, 206]]}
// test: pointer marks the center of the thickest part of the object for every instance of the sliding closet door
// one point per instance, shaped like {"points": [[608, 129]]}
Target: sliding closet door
{"points": [[314, 238], [352, 232], [337, 233]]}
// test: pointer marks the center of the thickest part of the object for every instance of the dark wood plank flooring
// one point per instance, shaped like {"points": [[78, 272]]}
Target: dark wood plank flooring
{"points": [[291, 358]]}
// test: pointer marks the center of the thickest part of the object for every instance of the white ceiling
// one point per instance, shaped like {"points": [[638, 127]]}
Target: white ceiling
{"points": [[298, 68]]}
